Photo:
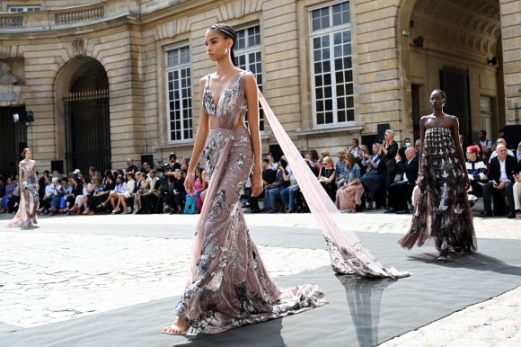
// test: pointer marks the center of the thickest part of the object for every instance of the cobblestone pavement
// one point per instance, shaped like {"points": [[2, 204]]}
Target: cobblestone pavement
{"points": [[69, 268]]}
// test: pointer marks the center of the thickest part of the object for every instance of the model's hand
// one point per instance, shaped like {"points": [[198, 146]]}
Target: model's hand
{"points": [[466, 182], [189, 183], [256, 185]]}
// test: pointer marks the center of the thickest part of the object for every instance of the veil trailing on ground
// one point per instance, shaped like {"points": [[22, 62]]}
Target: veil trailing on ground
{"points": [[348, 255]]}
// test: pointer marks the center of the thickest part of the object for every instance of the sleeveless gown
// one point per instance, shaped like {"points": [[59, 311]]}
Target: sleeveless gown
{"points": [[228, 284], [26, 215], [442, 210]]}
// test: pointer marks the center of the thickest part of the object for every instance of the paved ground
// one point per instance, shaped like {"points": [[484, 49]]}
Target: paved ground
{"points": [[73, 266]]}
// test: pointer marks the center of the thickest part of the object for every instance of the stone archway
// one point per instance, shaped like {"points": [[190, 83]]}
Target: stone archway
{"points": [[83, 115], [460, 40]]}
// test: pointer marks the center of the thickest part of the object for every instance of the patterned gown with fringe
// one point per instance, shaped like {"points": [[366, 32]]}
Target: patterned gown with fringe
{"points": [[442, 210]]}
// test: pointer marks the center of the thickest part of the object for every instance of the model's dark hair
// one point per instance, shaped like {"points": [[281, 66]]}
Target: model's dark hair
{"points": [[314, 154], [228, 32], [443, 95]]}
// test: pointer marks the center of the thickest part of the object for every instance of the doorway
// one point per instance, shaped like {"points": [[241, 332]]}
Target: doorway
{"points": [[13, 139]]}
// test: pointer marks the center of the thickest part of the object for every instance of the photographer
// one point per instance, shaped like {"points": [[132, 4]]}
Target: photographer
{"points": [[389, 149]]}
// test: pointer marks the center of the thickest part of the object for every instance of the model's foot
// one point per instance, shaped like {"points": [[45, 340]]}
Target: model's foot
{"points": [[179, 327]]}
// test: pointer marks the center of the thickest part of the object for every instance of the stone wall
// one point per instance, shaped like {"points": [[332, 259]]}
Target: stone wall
{"points": [[511, 36]]}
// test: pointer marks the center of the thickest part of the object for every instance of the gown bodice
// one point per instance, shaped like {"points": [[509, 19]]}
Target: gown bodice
{"points": [[231, 104]]}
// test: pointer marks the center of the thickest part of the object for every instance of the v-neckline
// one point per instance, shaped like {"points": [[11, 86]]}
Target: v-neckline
{"points": [[216, 105]]}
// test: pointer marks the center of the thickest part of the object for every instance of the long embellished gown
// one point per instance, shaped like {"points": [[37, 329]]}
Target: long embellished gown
{"points": [[228, 283], [26, 215], [442, 210]]}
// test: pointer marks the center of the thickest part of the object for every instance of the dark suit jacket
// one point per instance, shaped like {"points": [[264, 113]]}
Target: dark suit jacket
{"points": [[411, 169], [510, 166]]}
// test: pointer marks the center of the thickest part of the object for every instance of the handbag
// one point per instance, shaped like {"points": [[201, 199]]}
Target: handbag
{"points": [[190, 205]]}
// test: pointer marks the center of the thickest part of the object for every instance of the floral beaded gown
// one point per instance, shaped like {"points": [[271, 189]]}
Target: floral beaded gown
{"points": [[228, 283], [442, 210], [26, 215]]}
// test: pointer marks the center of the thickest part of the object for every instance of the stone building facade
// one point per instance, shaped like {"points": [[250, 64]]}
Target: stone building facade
{"points": [[117, 79]]}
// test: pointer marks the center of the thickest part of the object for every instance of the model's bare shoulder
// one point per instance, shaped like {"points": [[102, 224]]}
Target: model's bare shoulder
{"points": [[204, 80]]}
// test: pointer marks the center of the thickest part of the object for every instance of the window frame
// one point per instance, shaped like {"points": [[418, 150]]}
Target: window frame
{"points": [[167, 70], [330, 31], [25, 8]]}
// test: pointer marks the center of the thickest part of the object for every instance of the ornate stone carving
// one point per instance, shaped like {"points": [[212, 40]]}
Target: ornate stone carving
{"points": [[78, 48], [5, 74]]}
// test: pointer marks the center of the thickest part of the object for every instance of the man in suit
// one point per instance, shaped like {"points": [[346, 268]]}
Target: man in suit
{"points": [[502, 170], [400, 192]]}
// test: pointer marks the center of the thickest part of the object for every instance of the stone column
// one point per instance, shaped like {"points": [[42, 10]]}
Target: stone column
{"points": [[511, 36]]}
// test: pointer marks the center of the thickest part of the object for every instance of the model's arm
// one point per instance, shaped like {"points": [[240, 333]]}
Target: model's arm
{"points": [[422, 140], [21, 180], [252, 99], [459, 150], [200, 140]]}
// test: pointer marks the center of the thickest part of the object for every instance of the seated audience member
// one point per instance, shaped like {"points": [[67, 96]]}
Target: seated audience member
{"points": [[101, 194], [199, 186], [418, 147], [502, 180], [172, 166], [350, 194], [273, 190], [517, 194], [122, 197], [477, 171], [179, 192], [503, 142], [355, 150], [131, 167], [89, 186], [76, 190], [339, 167], [142, 190], [10, 187], [47, 198], [486, 146], [400, 192], [363, 151], [106, 175], [57, 197], [152, 196], [67, 192], [119, 188], [314, 161], [268, 177], [373, 178], [327, 177], [42, 183], [274, 166], [406, 144], [287, 194], [323, 153], [301, 205]]}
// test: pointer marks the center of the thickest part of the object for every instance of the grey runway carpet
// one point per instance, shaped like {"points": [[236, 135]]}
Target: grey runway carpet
{"points": [[361, 312]]}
